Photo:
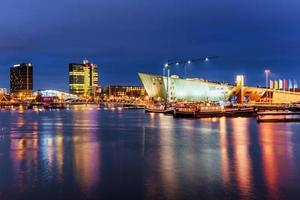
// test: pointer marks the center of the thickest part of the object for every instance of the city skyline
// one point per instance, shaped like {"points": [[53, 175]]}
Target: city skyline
{"points": [[149, 99], [124, 38], [177, 70]]}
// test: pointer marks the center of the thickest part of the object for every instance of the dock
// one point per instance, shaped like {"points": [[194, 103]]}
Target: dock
{"points": [[278, 116], [297, 119]]}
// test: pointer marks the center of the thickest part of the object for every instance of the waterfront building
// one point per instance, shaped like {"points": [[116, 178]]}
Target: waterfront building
{"points": [[21, 80], [84, 79], [199, 90], [126, 92]]}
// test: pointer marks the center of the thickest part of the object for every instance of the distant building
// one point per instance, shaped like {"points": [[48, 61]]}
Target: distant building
{"points": [[21, 79], [83, 79], [3, 92], [113, 91]]}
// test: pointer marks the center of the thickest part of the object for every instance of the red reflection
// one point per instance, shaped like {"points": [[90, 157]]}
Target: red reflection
{"points": [[277, 157], [241, 153]]}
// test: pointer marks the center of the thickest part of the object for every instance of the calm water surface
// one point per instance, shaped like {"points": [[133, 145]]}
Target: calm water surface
{"points": [[101, 154]]}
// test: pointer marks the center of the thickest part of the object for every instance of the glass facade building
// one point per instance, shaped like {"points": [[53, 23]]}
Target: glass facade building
{"points": [[185, 89], [200, 90], [83, 79], [21, 79]]}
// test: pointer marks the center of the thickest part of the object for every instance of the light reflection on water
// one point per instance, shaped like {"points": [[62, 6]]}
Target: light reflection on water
{"points": [[88, 154]]}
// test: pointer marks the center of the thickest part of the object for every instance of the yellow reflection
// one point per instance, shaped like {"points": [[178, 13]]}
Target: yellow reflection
{"points": [[152, 119], [24, 146], [21, 108], [167, 155], [59, 146], [59, 153], [224, 151]]}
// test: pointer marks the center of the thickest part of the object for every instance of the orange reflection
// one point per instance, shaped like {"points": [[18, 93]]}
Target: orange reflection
{"points": [[241, 153], [268, 158], [86, 150]]}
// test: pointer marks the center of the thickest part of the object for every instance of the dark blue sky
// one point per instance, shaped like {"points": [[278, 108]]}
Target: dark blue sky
{"points": [[128, 36]]}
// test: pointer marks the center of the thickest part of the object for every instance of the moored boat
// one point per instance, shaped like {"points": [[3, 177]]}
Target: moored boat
{"points": [[214, 111], [159, 109]]}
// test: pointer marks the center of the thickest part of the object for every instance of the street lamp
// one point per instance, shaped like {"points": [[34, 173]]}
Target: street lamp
{"points": [[185, 68], [267, 72]]}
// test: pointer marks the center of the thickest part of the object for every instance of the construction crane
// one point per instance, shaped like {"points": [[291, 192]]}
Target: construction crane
{"points": [[186, 62], [177, 62]]}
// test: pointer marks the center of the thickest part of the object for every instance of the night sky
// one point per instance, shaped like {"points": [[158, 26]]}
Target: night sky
{"points": [[128, 36]]}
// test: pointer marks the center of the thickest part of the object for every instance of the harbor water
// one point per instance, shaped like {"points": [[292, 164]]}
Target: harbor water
{"points": [[129, 154]]}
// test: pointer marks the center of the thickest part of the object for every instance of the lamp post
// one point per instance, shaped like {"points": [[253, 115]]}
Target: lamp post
{"points": [[267, 72], [185, 68], [167, 68], [177, 62]]}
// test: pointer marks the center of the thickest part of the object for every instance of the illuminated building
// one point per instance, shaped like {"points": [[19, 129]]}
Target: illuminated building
{"points": [[199, 90], [83, 79], [185, 89], [21, 83], [3, 94], [113, 91]]}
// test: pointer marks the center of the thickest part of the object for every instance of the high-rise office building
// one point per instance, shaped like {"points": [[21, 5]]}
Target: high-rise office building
{"points": [[83, 79], [21, 82]]}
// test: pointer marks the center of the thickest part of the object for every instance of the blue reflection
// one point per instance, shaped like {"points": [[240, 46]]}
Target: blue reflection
{"points": [[127, 154]]}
